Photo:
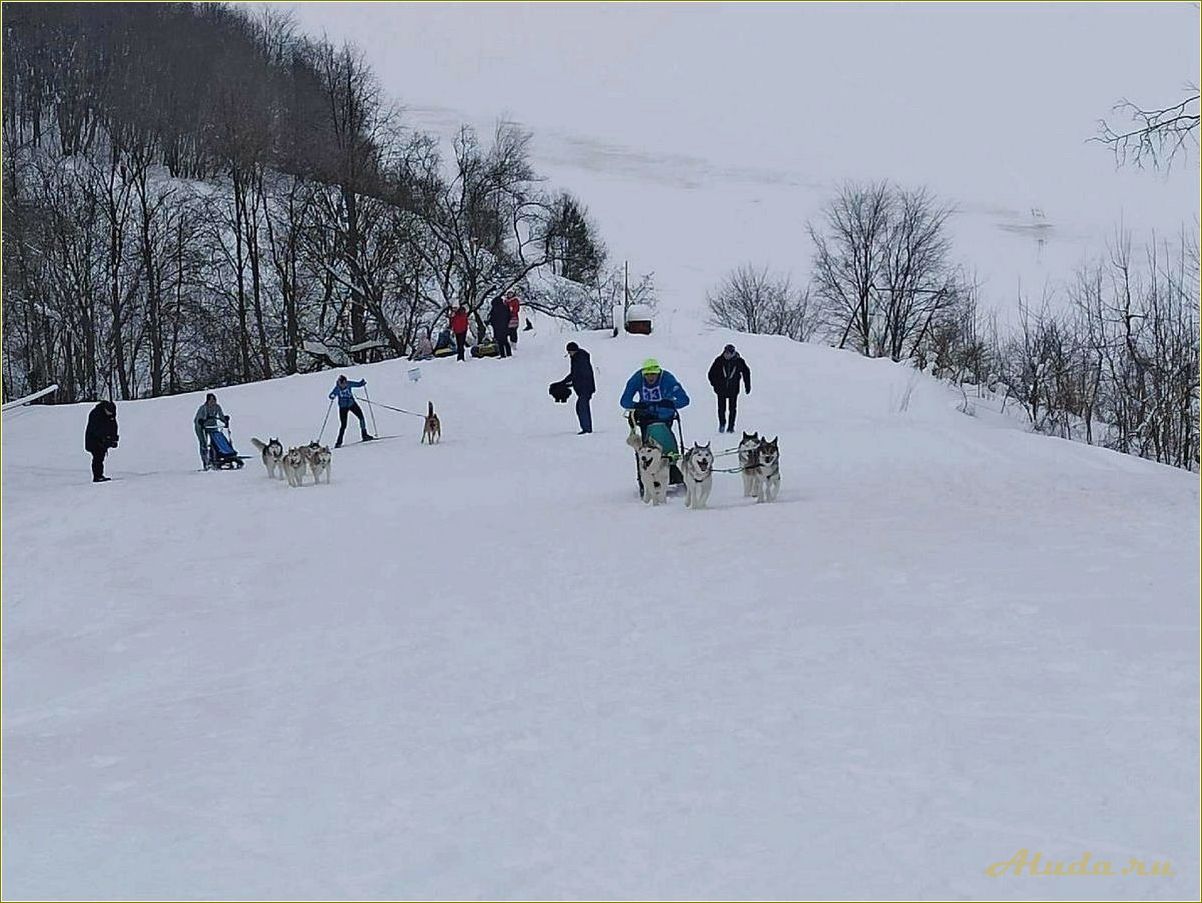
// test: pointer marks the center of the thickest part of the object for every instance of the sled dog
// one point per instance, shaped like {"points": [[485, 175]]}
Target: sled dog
{"points": [[766, 473], [272, 453], [294, 466], [320, 461], [697, 467], [634, 440], [655, 472], [432, 432], [748, 446]]}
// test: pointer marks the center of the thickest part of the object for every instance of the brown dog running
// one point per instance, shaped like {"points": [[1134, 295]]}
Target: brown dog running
{"points": [[433, 429]]}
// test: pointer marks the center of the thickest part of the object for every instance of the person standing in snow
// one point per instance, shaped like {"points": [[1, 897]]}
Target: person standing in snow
{"points": [[660, 395], [583, 384], [498, 318], [100, 436], [208, 417], [726, 371], [459, 328], [348, 405], [515, 308]]}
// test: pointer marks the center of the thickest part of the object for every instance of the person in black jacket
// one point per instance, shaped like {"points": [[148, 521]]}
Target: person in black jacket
{"points": [[498, 319], [726, 371], [100, 436], [582, 382]]}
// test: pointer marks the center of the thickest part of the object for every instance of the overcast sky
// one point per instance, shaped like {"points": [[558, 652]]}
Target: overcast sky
{"points": [[989, 104]]}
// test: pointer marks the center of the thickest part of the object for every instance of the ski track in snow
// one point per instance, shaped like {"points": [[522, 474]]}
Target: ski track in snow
{"points": [[484, 669]]}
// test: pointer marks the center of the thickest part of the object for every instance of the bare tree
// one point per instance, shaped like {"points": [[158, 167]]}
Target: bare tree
{"points": [[882, 273], [751, 299], [1154, 135]]}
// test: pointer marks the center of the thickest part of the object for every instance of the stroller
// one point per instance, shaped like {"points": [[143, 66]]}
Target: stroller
{"points": [[222, 454], [670, 443]]}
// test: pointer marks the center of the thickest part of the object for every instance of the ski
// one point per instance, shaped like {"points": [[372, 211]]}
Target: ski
{"points": [[346, 445]]}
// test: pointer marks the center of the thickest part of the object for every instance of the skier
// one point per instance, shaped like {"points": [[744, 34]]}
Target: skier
{"points": [[348, 405], [207, 418], [725, 372], [660, 395], [459, 327], [100, 436], [498, 318], [581, 380]]}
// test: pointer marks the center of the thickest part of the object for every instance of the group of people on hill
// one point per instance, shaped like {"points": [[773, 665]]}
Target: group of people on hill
{"points": [[504, 318], [653, 393]]}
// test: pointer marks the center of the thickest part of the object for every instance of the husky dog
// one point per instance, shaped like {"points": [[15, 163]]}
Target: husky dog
{"points": [[634, 440], [272, 452], [656, 472], [697, 466], [766, 473], [294, 466], [748, 446], [433, 429], [320, 461]]}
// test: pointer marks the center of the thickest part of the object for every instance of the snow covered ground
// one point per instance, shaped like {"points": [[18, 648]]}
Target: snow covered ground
{"points": [[483, 669]]}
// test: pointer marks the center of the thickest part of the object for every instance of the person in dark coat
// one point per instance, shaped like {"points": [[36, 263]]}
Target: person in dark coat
{"points": [[498, 319], [726, 371], [100, 436], [583, 384]]}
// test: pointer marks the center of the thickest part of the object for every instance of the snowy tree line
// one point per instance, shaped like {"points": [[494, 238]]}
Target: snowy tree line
{"points": [[1117, 366], [195, 195]]}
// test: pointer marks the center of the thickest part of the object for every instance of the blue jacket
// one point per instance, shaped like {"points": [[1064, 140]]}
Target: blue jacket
{"points": [[346, 397], [662, 400]]}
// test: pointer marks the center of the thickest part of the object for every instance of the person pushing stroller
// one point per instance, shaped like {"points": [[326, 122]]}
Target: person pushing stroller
{"points": [[209, 417]]}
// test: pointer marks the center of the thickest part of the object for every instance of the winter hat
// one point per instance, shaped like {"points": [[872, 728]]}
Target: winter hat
{"points": [[729, 348], [651, 365], [572, 346]]}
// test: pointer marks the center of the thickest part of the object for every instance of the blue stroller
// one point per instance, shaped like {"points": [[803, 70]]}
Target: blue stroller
{"points": [[222, 454]]}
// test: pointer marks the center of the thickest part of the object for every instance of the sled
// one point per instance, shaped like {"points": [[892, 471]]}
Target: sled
{"points": [[222, 455]]}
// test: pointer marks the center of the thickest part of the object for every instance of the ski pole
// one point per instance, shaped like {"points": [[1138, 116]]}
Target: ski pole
{"points": [[329, 408], [367, 398]]}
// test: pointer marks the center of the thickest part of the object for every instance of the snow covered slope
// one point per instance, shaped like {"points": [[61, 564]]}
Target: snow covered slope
{"points": [[483, 669]]}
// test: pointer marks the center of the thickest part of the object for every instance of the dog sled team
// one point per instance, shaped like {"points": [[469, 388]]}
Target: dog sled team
{"points": [[291, 465], [653, 398]]}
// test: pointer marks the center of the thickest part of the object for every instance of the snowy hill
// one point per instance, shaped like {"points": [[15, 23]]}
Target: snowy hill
{"points": [[483, 669]]}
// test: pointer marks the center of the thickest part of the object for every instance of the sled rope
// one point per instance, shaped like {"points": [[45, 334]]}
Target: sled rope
{"points": [[391, 408]]}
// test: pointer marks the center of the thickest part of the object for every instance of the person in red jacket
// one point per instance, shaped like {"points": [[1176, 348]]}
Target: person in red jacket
{"points": [[459, 329], [515, 307]]}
